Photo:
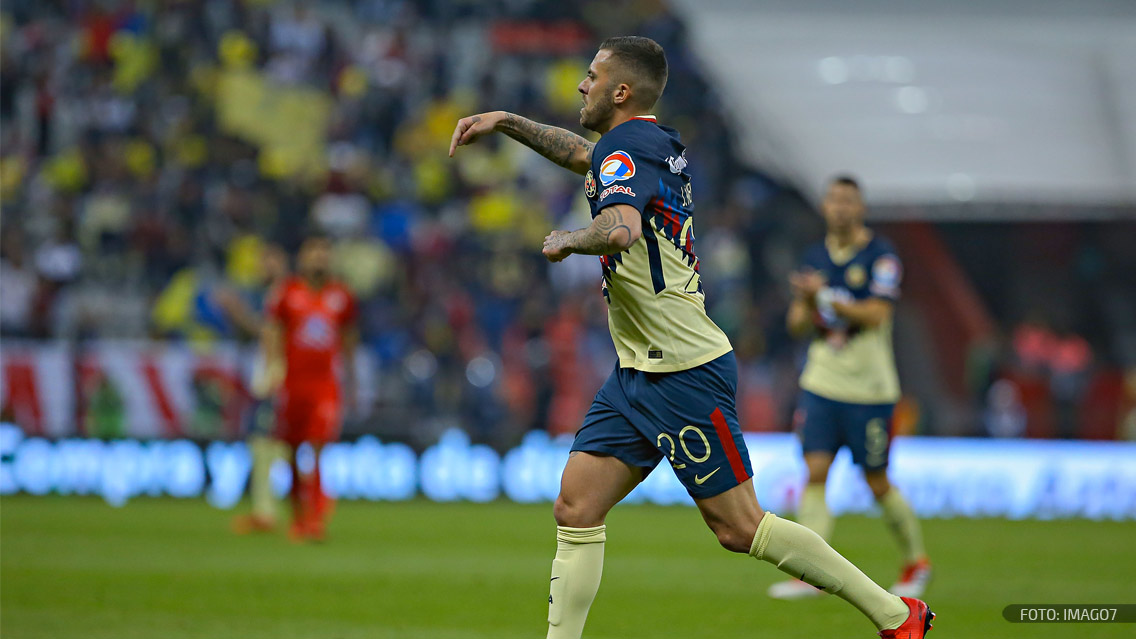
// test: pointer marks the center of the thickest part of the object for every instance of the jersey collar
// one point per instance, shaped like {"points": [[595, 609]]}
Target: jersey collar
{"points": [[841, 256], [649, 118]]}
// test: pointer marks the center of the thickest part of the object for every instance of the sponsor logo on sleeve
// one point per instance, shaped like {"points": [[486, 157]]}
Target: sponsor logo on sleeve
{"points": [[618, 188], [615, 167], [886, 274]]}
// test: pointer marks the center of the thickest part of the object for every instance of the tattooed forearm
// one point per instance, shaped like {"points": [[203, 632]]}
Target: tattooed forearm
{"points": [[607, 235], [559, 145]]}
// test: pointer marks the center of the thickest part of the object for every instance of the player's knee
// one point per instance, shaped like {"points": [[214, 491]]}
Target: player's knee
{"points": [[735, 537], [878, 483], [818, 469], [575, 514]]}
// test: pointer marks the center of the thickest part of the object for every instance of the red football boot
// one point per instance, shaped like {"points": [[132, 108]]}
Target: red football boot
{"points": [[917, 624], [913, 579]]}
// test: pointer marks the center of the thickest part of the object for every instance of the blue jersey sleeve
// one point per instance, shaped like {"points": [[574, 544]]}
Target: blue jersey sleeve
{"points": [[626, 175], [886, 273]]}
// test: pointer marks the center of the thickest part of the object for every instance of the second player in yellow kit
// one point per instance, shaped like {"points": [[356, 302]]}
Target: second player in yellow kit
{"points": [[844, 297]]}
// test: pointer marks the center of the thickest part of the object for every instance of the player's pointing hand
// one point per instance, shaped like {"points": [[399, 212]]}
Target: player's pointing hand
{"points": [[473, 127]]}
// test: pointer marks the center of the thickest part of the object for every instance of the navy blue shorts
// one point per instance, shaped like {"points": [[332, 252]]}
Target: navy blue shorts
{"points": [[687, 417], [826, 425]]}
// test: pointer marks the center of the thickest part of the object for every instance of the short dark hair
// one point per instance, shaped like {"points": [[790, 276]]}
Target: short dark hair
{"points": [[646, 63], [847, 180]]}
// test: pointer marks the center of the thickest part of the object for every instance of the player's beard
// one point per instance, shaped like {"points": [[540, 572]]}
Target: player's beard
{"points": [[844, 224], [596, 116], [318, 275]]}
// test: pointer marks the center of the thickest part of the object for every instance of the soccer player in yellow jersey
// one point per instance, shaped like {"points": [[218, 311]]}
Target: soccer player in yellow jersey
{"points": [[671, 395], [843, 297]]}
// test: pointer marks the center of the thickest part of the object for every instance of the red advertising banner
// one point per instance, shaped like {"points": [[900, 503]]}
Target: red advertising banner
{"points": [[141, 389]]}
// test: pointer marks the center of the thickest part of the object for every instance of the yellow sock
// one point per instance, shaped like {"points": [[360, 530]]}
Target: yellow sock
{"points": [[801, 552], [904, 525], [265, 451], [576, 575], [813, 512]]}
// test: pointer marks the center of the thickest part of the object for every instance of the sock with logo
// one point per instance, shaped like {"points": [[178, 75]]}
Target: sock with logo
{"points": [[576, 572], [813, 512], [801, 553], [904, 525]]}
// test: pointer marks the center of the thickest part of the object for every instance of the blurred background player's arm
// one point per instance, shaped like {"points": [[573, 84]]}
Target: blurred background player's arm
{"points": [[561, 146], [805, 286], [239, 311], [868, 313], [614, 230], [887, 271]]}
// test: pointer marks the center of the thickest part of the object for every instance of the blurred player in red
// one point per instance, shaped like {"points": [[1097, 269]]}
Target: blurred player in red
{"points": [[311, 322]]}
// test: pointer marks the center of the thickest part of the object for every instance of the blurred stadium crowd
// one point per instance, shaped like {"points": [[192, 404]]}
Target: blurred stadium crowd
{"points": [[152, 151]]}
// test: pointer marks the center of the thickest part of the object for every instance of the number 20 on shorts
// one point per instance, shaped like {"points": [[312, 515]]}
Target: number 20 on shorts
{"points": [[686, 449]]}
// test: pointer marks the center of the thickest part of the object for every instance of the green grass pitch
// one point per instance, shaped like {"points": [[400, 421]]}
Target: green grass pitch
{"points": [[160, 568]]}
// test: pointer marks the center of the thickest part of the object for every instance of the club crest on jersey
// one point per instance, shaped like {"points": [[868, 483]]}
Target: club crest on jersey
{"points": [[615, 167], [316, 332], [618, 188], [590, 184], [855, 276]]}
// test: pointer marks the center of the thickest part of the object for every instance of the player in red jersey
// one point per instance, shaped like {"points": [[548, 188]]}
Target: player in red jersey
{"points": [[311, 323]]}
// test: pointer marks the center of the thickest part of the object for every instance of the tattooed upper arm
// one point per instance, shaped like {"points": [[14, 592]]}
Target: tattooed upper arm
{"points": [[615, 229], [609, 225]]}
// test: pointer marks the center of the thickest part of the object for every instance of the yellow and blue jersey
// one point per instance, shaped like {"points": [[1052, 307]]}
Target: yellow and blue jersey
{"points": [[850, 363], [656, 311]]}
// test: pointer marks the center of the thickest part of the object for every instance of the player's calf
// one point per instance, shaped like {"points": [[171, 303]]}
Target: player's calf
{"points": [[905, 528], [800, 552]]}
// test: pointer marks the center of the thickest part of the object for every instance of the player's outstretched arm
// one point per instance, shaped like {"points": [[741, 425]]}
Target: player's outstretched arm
{"points": [[869, 313], [563, 147], [615, 229]]}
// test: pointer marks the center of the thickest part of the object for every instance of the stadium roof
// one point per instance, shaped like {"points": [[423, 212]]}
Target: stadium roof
{"points": [[1014, 101]]}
